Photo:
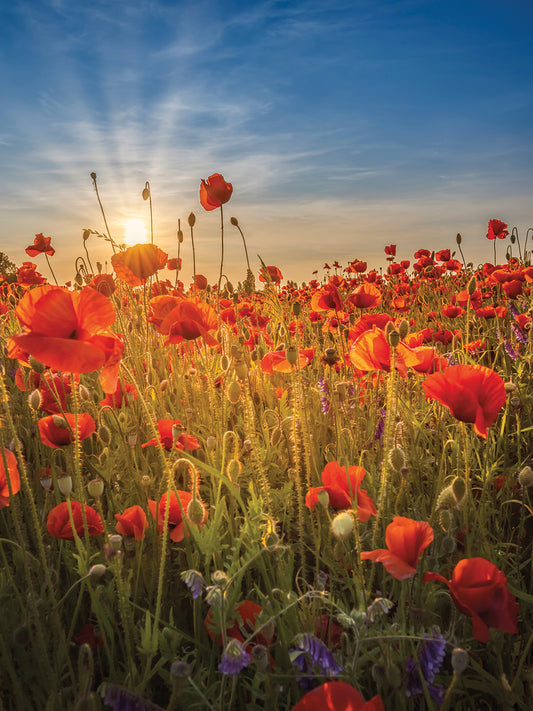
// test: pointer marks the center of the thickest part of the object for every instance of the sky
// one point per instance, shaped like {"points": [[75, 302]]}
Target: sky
{"points": [[343, 126]]}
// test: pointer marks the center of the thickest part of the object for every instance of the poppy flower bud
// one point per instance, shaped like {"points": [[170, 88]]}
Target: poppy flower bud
{"points": [[525, 478], [233, 469], [64, 482], [97, 571], [379, 674], [234, 221], [146, 191], [510, 387], [234, 392], [78, 279], [93, 176], [459, 489], [271, 540], [447, 546], [397, 458], [403, 328], [446, 498], [323, 498], [275, 436], [297, 308], [472, 285], [163, 385], [96, 488], [36, 365], [60, 422], [224, 362], [342, 525], [84, 392], [219, 577], [241, 369], [180, 236], [393, 338], [292, 355], [394, 676], [34, 400], [446, 520], [195, 511], [104, 435], [191, 219], [459, 660], [458, 239]]}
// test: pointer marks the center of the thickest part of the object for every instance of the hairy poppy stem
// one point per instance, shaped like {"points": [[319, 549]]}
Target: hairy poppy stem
{"points": [[222, 251], [50, 267], [93, 176]]}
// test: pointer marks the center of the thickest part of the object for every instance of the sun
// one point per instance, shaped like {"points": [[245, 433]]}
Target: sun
{"points": [[135, 232]]}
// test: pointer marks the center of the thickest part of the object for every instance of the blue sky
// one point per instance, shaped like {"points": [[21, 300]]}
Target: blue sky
{"points": [[343, 126]]}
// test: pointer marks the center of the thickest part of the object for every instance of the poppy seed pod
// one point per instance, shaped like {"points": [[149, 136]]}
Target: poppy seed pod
{"points": [[393, 338], [64, 483], [292, 355], [241, 369], [234, 221], [459, 660], [96, 488], [191, 219], [97, 571]]}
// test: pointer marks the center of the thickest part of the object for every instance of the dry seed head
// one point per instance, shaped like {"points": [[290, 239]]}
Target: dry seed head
{"points": [[342, 525]]}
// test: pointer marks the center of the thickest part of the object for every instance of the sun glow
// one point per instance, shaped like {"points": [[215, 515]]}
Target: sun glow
{"points": [[135, 232]]}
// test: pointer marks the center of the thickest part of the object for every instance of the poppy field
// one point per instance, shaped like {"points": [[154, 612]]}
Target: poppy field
{"points": [[267, 495]]}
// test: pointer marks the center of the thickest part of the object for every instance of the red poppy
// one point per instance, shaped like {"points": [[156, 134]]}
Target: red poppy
{"points": [[132, 522], [104, 283], [451, 311], [183, 319], [123, 396], [443, 255], [498, 229], [337, 696], [480, 591], [371, 351], [326, 299], [406, 540], [54, 388], [41, 244], [472, 393], [173, 263], [58, 430], [244, 621], [58, 521], [391, 250], [343, 488], [272, 274], [365, 296], [178, 503], [9, 475], [136, 264], [28, 276], [276, 361], [200, 281], [166, 429], [69, 331], [214, 192], [89, 634]]}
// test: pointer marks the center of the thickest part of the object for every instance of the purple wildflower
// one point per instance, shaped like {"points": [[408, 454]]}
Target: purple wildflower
{"points": [[381, 425], [310, 655], [195, 581], [427, 665], [120, 699], [513, 355], [324, 392], [520, 336], [234, 658]]}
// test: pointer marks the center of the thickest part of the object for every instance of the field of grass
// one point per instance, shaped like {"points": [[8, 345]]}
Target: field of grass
{"points": [[267, 495]]}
